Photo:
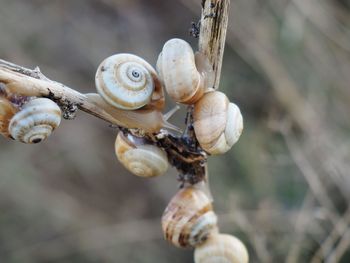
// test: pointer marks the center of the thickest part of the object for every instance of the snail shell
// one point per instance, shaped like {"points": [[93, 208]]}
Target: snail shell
{"points": [[189, 219], [7, 110], [185, 76], [36, 121], [221, 248], [218, 123], [128, 82], [139, 157]]}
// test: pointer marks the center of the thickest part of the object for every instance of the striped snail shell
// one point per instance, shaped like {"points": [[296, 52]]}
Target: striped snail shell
{"points": [[7, 110], [189, 219], [221, 248], [185, 76], [128, 82], [140, 157], [35, 121], [218, 123]]}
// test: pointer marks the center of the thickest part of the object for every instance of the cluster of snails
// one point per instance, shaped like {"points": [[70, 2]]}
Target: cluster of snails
{"points": [[188, 79], [28, 120], [132, 90]]}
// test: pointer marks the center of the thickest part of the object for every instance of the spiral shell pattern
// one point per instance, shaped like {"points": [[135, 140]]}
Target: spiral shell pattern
{"points": [[36, 121], [218, 123], [221, 248], [125, 81], [177, 69], [7, 110], [189, 219], [139, 157]]}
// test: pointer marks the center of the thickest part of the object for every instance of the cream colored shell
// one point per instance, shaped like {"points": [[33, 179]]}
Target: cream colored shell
{"points": [[126, 81], [189, 219], [218, 123], [36, 121], [221, 248], [139, 157], [7, 110], [177, 69]]}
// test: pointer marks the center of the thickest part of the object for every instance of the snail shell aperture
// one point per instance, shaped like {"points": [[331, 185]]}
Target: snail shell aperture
{"points": [[189, 219], [218, 123], [36, 121], [139, 157]]}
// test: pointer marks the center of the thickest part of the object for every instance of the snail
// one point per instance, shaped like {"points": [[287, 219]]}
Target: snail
{"points": [[189, 219], [35, 121], [221, 248], [140, 157], [185, 76], [128, 82], [150, 120], [7, 110], [218, 123]]}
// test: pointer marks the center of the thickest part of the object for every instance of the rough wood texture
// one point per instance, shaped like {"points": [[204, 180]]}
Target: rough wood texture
{"points": [[213, 26]]}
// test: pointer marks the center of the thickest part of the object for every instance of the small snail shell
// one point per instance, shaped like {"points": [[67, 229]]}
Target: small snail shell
{"points": [[36, 121], [7, 110], [189, 219], [128, 82], [181, 76], [218, 123], [221, 248], [139, 157]]}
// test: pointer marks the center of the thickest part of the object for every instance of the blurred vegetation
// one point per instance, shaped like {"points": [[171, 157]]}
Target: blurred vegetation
{"points": [[283, 189]]}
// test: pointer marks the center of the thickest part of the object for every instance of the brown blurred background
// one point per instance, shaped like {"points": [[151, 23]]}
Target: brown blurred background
{"points": [[284, 189]]}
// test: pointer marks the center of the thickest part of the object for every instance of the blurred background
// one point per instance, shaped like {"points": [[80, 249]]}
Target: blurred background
{"points": [[284, 188]]}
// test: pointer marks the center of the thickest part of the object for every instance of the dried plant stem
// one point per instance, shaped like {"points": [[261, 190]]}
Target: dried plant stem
{"points": [[299, 227], [315, 183], [328, 244], [213, 27]]}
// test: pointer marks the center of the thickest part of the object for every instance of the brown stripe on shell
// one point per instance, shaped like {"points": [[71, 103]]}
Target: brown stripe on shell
{"points": [[183, 213], [7, 110]]}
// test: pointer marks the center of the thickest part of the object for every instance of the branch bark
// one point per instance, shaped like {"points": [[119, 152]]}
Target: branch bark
{"points": [[212, 36]]}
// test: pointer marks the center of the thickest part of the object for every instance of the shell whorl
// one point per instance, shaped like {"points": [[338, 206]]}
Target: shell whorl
{"points": [[36, 121], [126, 81], [7, 110], [218, 123], [221, 248], [139, 157], [189, 219], [177, 69]]}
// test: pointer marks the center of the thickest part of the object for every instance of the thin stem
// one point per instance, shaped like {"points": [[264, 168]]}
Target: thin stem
{"points": [[212, 36]]}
